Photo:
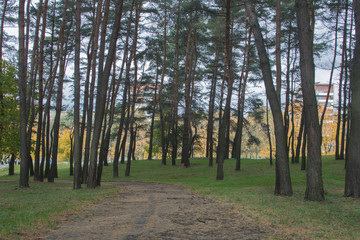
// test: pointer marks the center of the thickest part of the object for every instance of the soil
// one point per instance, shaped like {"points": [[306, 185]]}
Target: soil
{"points": [[158, 211]]}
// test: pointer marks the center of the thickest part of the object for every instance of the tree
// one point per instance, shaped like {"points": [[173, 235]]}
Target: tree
{"points": [[225, 121], [283, 180], [24, 165], [77, 142], [314, 183], [352, 180]]}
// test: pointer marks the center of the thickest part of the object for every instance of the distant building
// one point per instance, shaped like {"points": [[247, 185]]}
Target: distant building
{"points": [[321, 91]]}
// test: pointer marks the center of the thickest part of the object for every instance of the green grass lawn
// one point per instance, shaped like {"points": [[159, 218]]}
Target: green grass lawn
{"points": [[249, 191]]}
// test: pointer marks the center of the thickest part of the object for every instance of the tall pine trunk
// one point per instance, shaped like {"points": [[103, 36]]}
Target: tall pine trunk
{"points": [[283, 181], [314, 183], [77, 133]]}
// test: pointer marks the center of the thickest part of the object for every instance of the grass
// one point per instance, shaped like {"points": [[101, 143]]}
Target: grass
{"points": [[250, 191], [27, 212]]}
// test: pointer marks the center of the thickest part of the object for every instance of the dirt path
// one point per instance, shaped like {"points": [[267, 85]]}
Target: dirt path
{"points": [[158, 211]]}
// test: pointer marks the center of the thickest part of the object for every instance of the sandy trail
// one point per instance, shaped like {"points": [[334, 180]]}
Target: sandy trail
{"points": [[158, 211]]}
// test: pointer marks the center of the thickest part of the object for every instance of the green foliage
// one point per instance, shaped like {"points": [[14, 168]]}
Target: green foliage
{"points": [[9, 110]]}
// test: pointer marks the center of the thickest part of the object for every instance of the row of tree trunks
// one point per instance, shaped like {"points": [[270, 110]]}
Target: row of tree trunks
{"points": [[103, 78], [41, 94], [63, 43], [89, 99]]}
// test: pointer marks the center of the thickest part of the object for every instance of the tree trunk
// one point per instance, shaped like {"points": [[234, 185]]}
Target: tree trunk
{"points": [[89, 125], [278, 49], [187, 120], [236, 152], [303, 149], [5, 2], [132, 116], [352, 179], [12, 164], [124, 100], [345, 69], [210, 126], [299, 138], [333, 64], [41, 95], [268, 132], [283, 181], [225, 122], [77, 140], [62, 45], [71, 160], [314, 183], [287, 94], [162, 120], [153, 117], [24, 165], [174, 121]]}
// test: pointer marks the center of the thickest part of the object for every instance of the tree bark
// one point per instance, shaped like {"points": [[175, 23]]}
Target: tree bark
{"points": [[77, 141], [314, 183], [24, 165]]}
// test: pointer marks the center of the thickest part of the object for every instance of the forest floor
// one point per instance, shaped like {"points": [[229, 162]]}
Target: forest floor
{"points": [[148, 210]]}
